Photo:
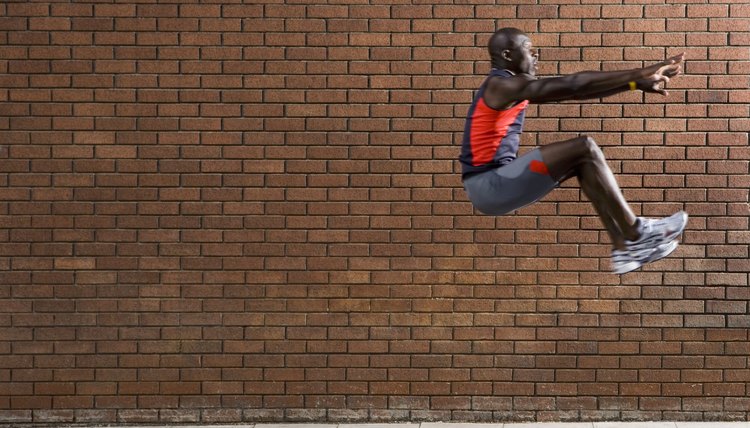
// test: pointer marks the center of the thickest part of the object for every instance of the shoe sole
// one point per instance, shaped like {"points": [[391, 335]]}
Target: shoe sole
{"points": [[631, 266], [628, 267], [669, 249]]}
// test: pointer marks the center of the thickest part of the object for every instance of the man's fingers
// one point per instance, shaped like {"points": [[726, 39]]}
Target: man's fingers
{"points": [[658, 89], [678, 58], [675, 59], [667, 72], [669, 68], [675, 71]]}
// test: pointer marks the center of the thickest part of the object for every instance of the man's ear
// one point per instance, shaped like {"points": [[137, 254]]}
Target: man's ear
{"points": [[506, 55]]}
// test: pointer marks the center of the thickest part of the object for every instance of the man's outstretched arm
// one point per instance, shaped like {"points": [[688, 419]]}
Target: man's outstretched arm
{"points": [[643, 85], [649, 84], [583, 85]]}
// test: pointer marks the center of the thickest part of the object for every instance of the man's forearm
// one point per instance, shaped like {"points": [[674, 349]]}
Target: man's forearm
{"points": [[614, 91], [596, 84]]}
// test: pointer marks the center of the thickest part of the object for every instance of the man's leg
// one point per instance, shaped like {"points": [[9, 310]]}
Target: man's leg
{"points": [[582, 158]]}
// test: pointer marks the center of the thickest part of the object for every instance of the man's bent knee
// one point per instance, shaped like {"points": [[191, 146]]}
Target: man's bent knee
{"points": [[590, 147]]}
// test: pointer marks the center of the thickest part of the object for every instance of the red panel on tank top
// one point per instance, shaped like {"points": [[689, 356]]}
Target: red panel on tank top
{"points": [[488, 128]]}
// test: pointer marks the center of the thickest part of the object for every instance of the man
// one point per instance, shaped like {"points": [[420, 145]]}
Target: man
{"points": [[498, 182]]}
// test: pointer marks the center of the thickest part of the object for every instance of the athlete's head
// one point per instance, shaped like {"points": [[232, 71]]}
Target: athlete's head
{"points": [[511, 48]]}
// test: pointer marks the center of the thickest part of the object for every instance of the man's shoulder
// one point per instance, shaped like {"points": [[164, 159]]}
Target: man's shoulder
{"points": [[510, 84], [503, 93], [511, 80]]}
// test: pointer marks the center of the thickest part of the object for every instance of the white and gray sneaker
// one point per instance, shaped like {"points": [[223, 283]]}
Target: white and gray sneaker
{"points": [[624, 261], [674, 225], [658, 239]]}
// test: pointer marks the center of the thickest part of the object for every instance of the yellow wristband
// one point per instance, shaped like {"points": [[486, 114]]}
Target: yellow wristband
{"points": [[632, 86]]}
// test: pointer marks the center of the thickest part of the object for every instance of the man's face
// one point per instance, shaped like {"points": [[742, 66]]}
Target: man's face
{"points": [[525, 56]]}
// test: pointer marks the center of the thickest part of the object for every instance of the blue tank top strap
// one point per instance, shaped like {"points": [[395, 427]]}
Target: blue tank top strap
{"points": [[501, 73]]}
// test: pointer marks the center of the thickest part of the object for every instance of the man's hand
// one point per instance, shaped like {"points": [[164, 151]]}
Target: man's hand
{"points": [[668, 69]]}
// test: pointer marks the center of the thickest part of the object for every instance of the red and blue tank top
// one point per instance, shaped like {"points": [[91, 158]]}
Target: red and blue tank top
{"points": [[491, 137]]}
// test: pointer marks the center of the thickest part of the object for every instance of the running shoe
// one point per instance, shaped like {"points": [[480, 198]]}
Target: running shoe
{"points": [[655, 232], [624, 261], [674, 224], [658, 239]]}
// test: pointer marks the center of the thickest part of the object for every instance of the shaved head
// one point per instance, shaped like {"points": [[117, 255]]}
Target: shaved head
{"points": [[511, 49], [504, 38]]}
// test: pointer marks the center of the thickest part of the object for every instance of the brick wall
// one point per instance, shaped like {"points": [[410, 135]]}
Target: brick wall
{"points": [[243, 212]]}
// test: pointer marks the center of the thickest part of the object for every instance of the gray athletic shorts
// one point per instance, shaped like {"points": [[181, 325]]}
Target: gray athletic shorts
{"points": [[512, 186]]}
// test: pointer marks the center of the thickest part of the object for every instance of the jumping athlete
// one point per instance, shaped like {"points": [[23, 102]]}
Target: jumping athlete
{"points": [[498, 182]]}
